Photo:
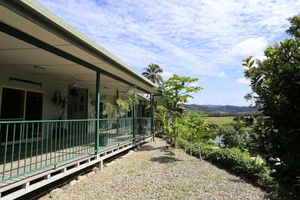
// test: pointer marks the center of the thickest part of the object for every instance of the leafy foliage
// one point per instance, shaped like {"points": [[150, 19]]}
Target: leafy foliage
{"points": [[152, 72], [60, 102], [234, 136], [276, 83], [132, 96], [176, 91], [193, 127], [241, 163], [235, 160], [121, 105], [238, 133], [294, 29]]}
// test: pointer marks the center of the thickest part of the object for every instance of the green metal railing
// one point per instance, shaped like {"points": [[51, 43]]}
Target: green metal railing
{"points": [[115, 131], [31, 146], [143, 127]]}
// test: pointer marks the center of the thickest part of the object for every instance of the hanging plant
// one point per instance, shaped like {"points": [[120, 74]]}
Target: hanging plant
{"points": [[122, 107], [60, 103], [133, 97], [110, 110]]}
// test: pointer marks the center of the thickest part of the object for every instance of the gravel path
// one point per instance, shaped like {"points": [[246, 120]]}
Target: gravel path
{"points": [[157, 172]]}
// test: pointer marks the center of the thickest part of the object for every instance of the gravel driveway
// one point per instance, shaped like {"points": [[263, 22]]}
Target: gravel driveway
{"points": [[158, 172]]}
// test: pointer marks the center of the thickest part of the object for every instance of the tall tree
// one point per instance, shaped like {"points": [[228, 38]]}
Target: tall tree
{"points": [[175, 91], [152, 72], [276, 83], [294, 29]]}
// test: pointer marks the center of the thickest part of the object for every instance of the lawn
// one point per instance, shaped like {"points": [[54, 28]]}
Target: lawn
{"points": [[220, 121]]}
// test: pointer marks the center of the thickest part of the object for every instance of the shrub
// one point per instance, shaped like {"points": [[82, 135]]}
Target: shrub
{"points": [[234, 135], [236, 161]]}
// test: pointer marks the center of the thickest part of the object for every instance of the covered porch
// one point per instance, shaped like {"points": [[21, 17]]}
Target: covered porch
{"points": [[54, 85]]}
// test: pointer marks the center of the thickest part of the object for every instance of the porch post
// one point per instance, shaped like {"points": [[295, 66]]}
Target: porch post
{"points": [[152, 114], [97, 125]]}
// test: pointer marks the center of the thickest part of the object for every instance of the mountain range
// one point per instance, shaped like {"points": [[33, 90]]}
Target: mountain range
{"points": [[224, 110]]}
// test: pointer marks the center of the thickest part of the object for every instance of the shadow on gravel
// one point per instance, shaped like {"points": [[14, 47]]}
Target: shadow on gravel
{"points": [[165, 149], [237, 180], [151, 148], [168, 152], [165, 159]]}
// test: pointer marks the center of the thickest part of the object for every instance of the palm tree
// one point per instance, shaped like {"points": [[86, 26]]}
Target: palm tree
{"points": [[152, 72]]}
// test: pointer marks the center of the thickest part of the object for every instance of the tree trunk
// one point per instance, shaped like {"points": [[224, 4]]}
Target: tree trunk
{"points": [[175, 133], [199, 149]]}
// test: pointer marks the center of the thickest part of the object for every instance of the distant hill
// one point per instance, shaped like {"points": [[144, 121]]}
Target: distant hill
{"points": [[221, 110]]}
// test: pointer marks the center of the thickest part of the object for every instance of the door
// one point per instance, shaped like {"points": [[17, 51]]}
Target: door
{"points": [[12, 105], [18, 105], [34, 106], [34, 111], [77, 103], [12, 109]]}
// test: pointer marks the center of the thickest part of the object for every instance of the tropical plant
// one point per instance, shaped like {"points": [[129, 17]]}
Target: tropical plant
{"points": [[152, 72], [275, 82], [234, 135], [110, 110], [160, 119], [122, 105], [193, 127], [60, 102], [175, 91], [132, 96]]}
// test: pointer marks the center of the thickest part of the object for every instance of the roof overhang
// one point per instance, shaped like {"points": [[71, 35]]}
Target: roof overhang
{"points": [[32, 23]]}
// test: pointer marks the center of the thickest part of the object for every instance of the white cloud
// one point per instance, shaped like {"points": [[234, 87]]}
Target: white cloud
{"points": [[250, 47], [184, 36], [243, 81], [166, 75], [196, 38]]}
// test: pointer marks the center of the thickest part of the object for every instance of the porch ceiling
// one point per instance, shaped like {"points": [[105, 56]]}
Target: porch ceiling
{"points": [[25, 59], [36, 21]]}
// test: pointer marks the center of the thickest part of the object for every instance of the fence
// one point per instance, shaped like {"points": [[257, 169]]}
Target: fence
{"points": [[32, 146]]}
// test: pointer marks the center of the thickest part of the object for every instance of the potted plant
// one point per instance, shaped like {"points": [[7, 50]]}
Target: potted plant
{"points": [[116, 110]]}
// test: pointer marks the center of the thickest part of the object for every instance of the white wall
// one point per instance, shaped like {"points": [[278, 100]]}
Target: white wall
{"points": [[49, 84], [48, 87]]}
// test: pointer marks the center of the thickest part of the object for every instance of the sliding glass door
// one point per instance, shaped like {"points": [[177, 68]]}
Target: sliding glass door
{"points": [[17, 104], [12, 104]]}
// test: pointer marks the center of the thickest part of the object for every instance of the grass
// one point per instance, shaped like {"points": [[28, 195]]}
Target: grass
{"points": [[220, 121]]}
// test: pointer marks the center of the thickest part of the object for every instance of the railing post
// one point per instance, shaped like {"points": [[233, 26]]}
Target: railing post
{"points": [[97, 107], [133, 122], [118, 122], [152, 114]]}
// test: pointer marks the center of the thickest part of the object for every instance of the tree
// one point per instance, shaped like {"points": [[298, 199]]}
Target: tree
{"points": [[234, 135], [294, 29], [175, 91], [275, 82], [194, 127], [152, 72]]}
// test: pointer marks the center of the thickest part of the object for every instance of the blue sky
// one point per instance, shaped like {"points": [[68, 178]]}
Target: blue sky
{"points": [[206, 39]]}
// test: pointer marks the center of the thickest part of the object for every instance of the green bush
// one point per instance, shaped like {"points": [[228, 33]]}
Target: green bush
{"points": [[275, 83], [235, 135], [236, 161]]}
